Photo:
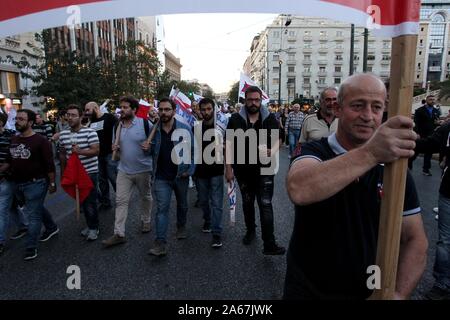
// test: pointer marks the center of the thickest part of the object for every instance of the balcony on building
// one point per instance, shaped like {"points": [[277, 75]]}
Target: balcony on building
{"points": [[291, 74], [307, 62], [434, 69], [291, 61], [322, 62], [307, 50], [385, 62], [323, 50], [370, 62], [384, 73], [339, 50], [291, 39], [339, 39], [338, 74], [307, 85], [322, 85], [322, 74], [307, 38], [338, 61], [306, 73], [323, 38]]}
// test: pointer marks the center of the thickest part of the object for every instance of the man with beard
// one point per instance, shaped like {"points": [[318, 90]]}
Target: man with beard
{"points": [[134, 169], [103, 124], [253, 118], [171, 172], [323, 123], [42, 128], [84, 142], [210, 179], [33, 174]]}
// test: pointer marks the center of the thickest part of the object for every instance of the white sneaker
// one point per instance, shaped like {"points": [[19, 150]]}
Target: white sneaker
{"points": [[436, 210], [92, 235], [84, 232]]}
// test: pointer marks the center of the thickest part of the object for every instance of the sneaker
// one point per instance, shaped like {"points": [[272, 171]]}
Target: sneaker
{"points": [[47, 235], [216, 242], [30, 254], [159, 249], [273, 250], [206, 227], [181, 233], [249, 237], [92, 234], [146, 227], [427, 173], [437, 293], [113, 240], [2, 248], [19, 234], [436, 210], [84, 232]]}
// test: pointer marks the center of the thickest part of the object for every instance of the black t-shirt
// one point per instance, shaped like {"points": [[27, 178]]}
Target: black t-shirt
{"points": [[237, 121], [104, 127], [334, 241], [166, 169], [203, 170]]}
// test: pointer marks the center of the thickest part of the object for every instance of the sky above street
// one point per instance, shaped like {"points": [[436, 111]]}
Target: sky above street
{"points": [[213, 47]]}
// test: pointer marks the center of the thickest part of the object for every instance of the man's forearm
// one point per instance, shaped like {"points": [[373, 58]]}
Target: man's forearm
{"points": [[313, 183]]}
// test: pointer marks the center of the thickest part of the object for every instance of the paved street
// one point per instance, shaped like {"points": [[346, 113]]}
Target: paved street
{"points": [[191, 270]]}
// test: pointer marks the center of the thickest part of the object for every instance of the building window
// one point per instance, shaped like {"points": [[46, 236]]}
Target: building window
{"points": [[337, 80], [370, 57], [420, 53], [323, 33], [307, 45], [337, 69], [386, 57], [308, 69], [306, 80], [276, 34], [275, 81], [307, 33], [9, 82], [338, 57], [321, 80], [291, 80], [418, 76], [369, 69], [276, 57], [291, 57], [276, 69], [291, 33], [338, 33], [322, 69], [307, 57], [291, 69]]}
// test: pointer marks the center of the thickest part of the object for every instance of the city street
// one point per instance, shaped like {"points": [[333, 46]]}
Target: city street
{"points": [[191, 270]]}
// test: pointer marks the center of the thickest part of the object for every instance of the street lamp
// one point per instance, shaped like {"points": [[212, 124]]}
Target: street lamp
{"points": [[286, 24]]}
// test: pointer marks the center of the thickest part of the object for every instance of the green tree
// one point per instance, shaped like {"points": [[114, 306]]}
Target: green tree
{"points": [[233, 93]]}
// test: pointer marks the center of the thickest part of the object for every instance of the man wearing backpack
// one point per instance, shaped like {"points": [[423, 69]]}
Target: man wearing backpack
{"points": [[134, 169]]}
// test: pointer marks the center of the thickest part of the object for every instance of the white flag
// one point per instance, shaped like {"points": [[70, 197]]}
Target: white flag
{"points": [[246, 82]]}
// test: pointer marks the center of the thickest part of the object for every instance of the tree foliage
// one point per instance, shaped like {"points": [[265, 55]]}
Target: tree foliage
{"points": [[233, 93]]}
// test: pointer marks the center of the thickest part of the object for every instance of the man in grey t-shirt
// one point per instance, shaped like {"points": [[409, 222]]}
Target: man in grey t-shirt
{"points": [[134, 169]]}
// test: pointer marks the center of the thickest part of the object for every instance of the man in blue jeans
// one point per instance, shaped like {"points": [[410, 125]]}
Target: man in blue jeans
{"points": [[293, 127], [437, 142], [84, 142], [171, 171], [210, 179], [33, 174], [6, 192]]}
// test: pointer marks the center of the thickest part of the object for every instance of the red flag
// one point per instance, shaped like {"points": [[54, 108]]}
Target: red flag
{"points": [[144, 108], [76, 176]]}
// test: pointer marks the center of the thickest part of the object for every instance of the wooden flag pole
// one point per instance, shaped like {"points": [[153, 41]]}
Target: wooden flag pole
{"points": [[153, 132], [77, 199], [394, 180], [116, 154]]}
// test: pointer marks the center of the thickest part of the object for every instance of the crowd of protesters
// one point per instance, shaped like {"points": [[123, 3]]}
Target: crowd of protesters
{"points": [[340, 137]]}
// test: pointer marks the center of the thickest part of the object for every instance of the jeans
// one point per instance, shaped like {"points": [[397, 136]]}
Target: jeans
{"points": [[163, 193], [261, 188], [107, 173], [33, 195], [89, 204], [427, 161], [442, 263], [6, 196], [294, 136], [210, 192], [17, 216]]}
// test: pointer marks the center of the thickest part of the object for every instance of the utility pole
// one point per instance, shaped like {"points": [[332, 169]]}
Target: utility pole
{"points": [[366, 40], [352, 48], [279, 81]]}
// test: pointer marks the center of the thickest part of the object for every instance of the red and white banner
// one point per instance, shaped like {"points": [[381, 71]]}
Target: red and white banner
{"points": [[385, 17], [246, 82]]}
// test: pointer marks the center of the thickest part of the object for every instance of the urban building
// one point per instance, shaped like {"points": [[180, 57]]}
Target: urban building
{"points": [[302, 56], [13, 86], [172, 65]]}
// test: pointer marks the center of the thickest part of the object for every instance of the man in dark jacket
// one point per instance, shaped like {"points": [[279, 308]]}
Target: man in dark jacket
{"points": [[437, 142], [254, 181], [425, 119]]}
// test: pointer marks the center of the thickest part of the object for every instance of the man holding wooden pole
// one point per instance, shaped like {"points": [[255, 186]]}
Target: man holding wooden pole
{"points": [[332, 254]]}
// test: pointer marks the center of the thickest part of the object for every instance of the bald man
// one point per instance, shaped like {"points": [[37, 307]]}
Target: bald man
{"points": [[336, 185], [103, 124]]}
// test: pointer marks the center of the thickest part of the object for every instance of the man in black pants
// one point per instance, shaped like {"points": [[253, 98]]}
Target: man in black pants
{"points": [[254, 181]]}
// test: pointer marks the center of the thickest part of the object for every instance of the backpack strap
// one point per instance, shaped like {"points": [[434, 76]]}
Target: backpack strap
{"points": [[146, 127]]}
